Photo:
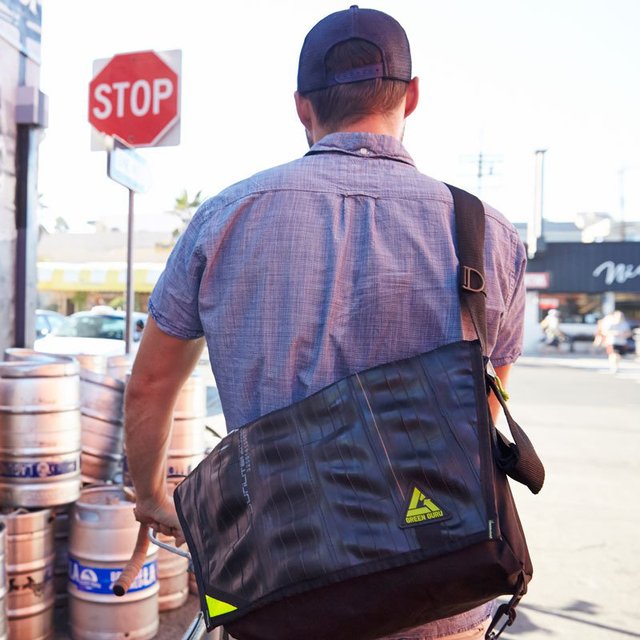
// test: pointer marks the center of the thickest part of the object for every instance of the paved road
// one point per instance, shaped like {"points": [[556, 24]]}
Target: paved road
{"points": [[583, 529]]}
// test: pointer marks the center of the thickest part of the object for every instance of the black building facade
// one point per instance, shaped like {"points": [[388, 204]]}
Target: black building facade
{"points": [[583, 280]]}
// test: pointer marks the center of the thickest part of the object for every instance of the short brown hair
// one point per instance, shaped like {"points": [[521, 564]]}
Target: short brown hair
{"points": [[345, 103]]}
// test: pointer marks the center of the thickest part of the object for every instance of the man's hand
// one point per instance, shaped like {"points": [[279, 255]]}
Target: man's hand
{"points": [[160, 515]]}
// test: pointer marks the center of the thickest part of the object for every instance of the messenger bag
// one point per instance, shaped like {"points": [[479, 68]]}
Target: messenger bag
{"points": [[375, 505]]}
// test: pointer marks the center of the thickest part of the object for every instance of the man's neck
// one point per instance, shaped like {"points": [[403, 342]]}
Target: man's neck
{"points": [[378, 124]]}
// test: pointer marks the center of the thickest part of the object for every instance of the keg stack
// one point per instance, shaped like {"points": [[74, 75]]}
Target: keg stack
{"points": [[39, 473], [39, 429]]}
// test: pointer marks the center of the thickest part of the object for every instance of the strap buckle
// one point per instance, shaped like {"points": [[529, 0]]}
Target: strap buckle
{"points": [[495, 630], [508, 610], [469, 275]]}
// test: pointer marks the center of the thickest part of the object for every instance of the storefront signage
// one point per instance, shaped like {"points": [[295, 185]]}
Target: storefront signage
{"points": [[537, 280], [576, 267], [616, 272]]}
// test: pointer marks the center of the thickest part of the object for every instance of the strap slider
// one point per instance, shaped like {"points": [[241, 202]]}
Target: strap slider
{"points": [[471, 277]]}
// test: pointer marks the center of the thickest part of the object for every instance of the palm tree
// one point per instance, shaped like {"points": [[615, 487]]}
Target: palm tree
{"points": [[184, 207]]}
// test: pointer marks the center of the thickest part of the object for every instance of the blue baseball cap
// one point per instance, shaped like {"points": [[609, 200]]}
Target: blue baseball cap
{"points": [[376, 27]]}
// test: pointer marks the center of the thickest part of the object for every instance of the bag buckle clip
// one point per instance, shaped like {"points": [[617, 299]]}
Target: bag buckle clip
{"points": [[508, 610], [469, 274]]}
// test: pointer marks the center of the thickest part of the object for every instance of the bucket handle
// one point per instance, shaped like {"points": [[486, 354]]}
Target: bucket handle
{"points": [[168, 547]]}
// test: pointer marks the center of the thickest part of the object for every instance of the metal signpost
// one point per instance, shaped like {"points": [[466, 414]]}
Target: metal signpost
{"points": [[128, 168], [134, 101]]}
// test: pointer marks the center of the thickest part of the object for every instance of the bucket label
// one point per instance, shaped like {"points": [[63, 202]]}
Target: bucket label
{"points": [[101, 580], [39, 469]]}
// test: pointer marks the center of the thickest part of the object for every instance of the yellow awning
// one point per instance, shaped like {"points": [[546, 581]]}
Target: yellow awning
{"points": [[96, 276]]}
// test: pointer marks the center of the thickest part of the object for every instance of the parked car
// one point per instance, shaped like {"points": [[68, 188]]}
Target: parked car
{"points": [[100, 331], [47, 321]]}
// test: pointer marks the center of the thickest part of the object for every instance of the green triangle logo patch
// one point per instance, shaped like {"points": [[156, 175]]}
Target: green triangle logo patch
{"points": [[420, 508]]}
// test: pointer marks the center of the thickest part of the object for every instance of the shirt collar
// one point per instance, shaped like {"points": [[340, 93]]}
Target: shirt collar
{"points": [[363, 145]]}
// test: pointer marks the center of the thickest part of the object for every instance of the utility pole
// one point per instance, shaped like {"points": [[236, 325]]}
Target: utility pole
{"points": [[623, 224], [535, 229], [484, 167]]}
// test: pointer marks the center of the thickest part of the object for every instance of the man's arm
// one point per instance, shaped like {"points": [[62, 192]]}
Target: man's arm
{"points": [[494, 406], [162, 365]]}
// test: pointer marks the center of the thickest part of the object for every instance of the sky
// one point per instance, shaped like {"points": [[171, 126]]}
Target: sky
{"points": [[501, 78]]}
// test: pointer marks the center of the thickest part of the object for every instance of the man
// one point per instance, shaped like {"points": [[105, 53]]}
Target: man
{"points": [[303, 274]]}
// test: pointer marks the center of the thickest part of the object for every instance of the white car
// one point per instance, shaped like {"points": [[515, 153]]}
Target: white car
{"points": [[100, 331]]}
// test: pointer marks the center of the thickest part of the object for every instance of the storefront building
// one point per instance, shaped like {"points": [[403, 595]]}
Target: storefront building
{"points": [[584, 281]]}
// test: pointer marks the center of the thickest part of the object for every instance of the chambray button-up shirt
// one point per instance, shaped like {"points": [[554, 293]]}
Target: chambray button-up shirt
{"points": [[333, 263]]}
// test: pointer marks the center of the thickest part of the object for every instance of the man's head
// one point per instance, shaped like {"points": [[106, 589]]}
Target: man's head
{"points": [[355, 66]]}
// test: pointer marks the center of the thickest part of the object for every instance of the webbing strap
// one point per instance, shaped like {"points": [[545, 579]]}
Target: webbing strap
{"points": [[518, 460], [469, 213]]}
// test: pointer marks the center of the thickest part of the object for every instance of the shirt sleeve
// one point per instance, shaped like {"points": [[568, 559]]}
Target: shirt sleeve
{"points": [[174, 301], [508, 345]]}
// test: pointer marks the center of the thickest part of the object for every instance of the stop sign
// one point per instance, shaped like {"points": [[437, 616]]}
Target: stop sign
{"points": [[135, 96]]}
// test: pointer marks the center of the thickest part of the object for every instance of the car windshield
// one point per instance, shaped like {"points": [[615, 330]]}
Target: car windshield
{"points": [[110, 327]]}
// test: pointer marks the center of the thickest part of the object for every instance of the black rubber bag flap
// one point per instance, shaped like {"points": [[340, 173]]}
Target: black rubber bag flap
{"points": [[375, 498]]}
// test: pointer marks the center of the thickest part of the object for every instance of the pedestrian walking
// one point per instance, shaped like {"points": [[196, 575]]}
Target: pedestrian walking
{"points": [[614, 333], [550, 326], [308, 272]]}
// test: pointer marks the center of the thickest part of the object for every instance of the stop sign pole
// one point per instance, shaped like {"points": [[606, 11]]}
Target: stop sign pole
{"points": [[134, 101], [128, 168]]}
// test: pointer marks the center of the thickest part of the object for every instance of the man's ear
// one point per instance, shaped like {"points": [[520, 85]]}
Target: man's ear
{"points": [[411, 101], [303, 107]]}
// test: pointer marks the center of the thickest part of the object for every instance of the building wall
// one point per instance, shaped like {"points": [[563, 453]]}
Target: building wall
{"points": [[10, 63], [19, 66]]}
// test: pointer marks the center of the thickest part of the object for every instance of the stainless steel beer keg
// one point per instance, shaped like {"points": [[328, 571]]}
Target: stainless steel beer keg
{"points": [[101, 407], [119, 366], [187, 444], [102, 536], [91, 362], [173, 576], [39, 429]]}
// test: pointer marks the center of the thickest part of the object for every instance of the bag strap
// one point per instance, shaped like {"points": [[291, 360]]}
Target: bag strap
{"points": [[469, 215], [519, 459]]}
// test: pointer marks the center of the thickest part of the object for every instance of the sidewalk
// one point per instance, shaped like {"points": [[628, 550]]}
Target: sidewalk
{"points": [[580, 360]]}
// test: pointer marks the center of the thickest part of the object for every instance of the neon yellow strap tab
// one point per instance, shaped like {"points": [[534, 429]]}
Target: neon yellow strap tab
{"points": [[218, 607], [501, 389]]}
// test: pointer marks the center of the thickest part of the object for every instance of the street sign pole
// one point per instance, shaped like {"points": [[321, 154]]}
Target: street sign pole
{"points": [[128, 168], [130, 291], [134, 100]]}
